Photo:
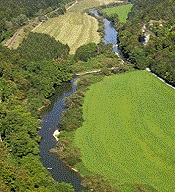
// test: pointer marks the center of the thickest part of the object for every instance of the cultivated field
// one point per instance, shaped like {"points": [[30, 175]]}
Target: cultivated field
{"points": [[129, 130], [122, 11], [75, 27]]}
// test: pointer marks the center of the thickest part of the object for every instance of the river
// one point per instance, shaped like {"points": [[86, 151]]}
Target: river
{"points": [[49, 124], [110, 33], [50, 121]]}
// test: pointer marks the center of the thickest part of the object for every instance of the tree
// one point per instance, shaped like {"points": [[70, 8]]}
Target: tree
{"points": [[85, 52]]}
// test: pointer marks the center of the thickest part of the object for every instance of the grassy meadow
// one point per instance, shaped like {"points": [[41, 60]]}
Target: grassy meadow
{"points": [[122, 12], [129, 131], [75, 27]]}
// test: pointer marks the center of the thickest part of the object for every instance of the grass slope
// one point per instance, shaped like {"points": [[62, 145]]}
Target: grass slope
{"points": [[75, 27], [129, 130], [122, 12]]}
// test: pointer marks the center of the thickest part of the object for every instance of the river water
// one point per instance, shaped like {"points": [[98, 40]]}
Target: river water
{"points": [[110, 34], [50, 121], [49, 124]]}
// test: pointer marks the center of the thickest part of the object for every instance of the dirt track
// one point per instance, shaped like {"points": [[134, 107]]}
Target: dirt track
{"points": [[14, 37]]}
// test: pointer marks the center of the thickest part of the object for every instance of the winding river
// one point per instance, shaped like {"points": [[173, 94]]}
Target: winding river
{"points": [[49, 124], [50, 121]]}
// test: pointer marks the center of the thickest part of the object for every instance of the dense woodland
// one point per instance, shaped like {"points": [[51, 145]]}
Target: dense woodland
{"points": [[26, 81], [148, 37]]}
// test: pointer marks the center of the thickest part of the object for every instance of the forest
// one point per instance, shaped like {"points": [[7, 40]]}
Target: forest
{"points": [[26, 82], [147, 39]]}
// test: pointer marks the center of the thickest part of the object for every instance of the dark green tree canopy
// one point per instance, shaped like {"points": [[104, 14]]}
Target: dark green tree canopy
{"points": [[85, 52], [42, 47]]}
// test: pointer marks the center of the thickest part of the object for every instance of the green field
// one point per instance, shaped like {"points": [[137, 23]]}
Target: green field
{"points": [[129, 130], [121, 11], [75, 27]]}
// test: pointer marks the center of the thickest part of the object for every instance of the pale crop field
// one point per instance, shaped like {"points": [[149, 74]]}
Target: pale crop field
{"points": [[129, 130], [74, 28]]}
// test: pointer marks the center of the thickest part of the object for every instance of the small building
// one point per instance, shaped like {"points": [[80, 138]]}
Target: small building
{"points": [[42, 18]]}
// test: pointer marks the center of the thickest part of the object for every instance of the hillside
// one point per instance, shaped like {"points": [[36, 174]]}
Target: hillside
{"points": [[147, 39], [76, 27], [17, 13]]}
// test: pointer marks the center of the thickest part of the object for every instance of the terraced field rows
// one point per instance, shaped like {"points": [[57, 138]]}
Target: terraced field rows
{"points": [[75, 27]]}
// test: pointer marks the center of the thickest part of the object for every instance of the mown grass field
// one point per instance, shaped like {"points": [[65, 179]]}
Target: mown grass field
{"points": [[129, 130], [75, 27], [122, 12]]}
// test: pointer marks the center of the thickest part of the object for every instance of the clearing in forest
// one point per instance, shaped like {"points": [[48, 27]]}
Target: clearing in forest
{"points": [[75, 27], [122, 12], [129, 130]]}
